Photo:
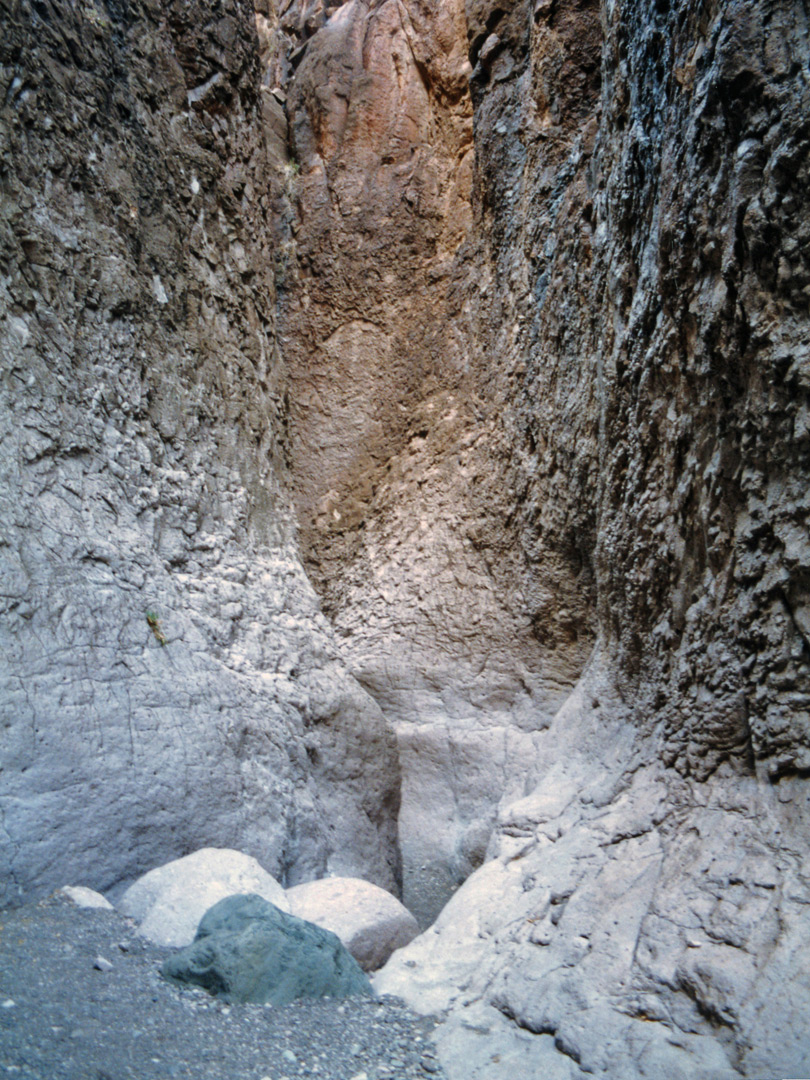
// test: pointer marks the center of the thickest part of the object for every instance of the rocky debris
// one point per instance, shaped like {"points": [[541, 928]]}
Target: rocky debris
{"points": [[83, 897], [169, 901], [369, 921], [248, 950], [132, 1024], [167, 680]]}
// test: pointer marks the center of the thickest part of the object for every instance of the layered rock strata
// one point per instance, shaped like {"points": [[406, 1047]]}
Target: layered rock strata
{"points": [[166, 678]]}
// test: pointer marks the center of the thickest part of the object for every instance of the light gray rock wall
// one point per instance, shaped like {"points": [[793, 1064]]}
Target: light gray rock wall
{"points": [[142, 471]]}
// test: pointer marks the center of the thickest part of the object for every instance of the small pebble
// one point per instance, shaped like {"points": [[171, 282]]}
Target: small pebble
{"points": [[102, 964], [288, 1055], [9, 1004]]}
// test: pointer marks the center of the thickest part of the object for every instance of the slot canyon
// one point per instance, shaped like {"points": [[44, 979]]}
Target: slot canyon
{"points": [[405, 474]]}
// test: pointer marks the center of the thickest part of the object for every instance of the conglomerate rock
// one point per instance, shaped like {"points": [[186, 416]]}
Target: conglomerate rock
{"points": [[167, 681]]}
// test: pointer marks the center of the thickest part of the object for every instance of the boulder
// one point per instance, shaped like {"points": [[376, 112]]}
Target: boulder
{"points": [[83, 897], [169, 901], [369, 921], [247, 949]]}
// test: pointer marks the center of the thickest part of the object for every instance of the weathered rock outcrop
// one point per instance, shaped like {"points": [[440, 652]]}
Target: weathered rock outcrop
{"points": [[166, 678], [399, 453], [542, 289], [616, 452]]}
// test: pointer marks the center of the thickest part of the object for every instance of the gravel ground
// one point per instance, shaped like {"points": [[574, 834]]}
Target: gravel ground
{"points": [[64, 1018]]}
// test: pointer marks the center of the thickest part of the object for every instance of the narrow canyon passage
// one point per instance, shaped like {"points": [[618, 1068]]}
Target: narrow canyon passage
{"points": [[404, 455], [418, 527]]}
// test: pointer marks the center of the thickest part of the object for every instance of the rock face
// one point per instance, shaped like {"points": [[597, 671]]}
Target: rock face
{"points": [[398, 454], [577, 576], [246, 949], [540, 276], [369, 921], [169, 901], [166, 678]]}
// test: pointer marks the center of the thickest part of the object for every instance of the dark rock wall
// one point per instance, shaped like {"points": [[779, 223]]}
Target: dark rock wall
{"points": [[641, 199], [650, 238], [143, 427], [706, 196]]}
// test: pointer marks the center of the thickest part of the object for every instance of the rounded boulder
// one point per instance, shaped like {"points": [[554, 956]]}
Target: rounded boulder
{"points": [[369, 921], [169, 901], [247, 950]]}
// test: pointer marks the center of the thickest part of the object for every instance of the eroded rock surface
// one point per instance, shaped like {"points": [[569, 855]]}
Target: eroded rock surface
{"points": [[616, 453], [166, 678], [400, 454], [541, 280]]}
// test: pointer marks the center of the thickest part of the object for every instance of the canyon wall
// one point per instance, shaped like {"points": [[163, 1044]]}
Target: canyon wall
{"points": [[433, 379], [570, 559], [167, 680]]}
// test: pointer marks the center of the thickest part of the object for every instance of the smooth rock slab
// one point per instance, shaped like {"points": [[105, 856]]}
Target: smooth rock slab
{"points": [[369, 921], [169, 901], [247, 950]]}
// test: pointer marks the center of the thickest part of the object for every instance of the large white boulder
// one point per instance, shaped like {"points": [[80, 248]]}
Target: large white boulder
{"points": [[369, 921], [169, 901]]}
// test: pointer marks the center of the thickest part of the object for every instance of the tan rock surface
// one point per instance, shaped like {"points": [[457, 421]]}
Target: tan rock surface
{"points": [[402, 476]]}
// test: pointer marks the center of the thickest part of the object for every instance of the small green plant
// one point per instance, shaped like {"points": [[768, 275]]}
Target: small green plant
{"points": [[290, 170], [154, 625]]}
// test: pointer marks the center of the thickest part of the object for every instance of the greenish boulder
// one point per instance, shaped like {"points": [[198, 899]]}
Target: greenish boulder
{"points": [[246, 949]]}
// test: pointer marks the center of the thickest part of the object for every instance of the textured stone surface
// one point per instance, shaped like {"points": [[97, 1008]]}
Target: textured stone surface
{"points": [[542, 284], [169, 901], [247, 950], [397, 456], [587, 553], [369, 921], [166, 678]]}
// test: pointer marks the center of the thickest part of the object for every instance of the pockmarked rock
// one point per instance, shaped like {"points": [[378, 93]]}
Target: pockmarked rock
{"points": [[248, 950], [369, 921], [153, 601], [169, 901]]}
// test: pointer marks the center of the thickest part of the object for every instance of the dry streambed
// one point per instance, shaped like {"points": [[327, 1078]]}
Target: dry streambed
{"points": [[81, 997]]}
